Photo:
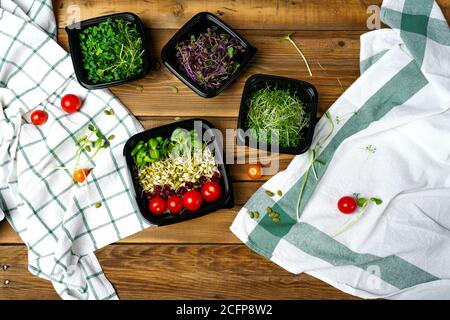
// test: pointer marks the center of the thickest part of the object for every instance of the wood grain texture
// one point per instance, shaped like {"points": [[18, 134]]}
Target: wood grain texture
{"points": [[201, 258], [212, 228], [337, 53], [175, 272], [242, 14], [262, 14]]}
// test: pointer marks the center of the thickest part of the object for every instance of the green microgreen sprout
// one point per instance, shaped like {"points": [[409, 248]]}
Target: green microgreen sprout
{"points": [[112, 50], [288, 38], [276, 114], [313, 161], [85, 143], [363, 204], [370, 149], [343, 117]]}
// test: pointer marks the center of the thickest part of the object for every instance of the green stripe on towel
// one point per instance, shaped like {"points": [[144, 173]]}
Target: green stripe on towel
{"points": [[267, 234]]}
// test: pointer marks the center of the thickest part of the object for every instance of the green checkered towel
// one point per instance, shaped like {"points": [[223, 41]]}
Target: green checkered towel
{"points": [[385, 137], [61, 223]]}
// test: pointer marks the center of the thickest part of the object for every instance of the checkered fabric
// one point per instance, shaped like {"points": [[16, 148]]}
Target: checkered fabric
{"points": [[386, 137], [61, 223]]}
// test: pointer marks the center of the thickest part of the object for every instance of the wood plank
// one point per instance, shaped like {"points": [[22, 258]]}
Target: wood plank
{"points": [[262, 14], [212, 228], [190, 272], [337, 52]]}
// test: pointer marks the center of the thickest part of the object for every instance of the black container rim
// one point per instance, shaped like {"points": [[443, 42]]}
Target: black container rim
{"points": [[250, 52], [73, 31], [227, 200], [301, 84]]}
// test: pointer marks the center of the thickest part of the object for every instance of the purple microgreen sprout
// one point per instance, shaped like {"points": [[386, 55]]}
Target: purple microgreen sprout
{"points": [[210, 58]]}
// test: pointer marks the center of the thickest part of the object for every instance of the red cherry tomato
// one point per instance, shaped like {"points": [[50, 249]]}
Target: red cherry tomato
{"points": [[157, 205], [80, 175], [347, 205], [175, 204], [39, 117], [211, 191], [70, 103], [193, 200]]}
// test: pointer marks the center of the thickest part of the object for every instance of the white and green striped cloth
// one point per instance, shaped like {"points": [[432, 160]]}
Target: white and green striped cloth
{"points": [[61, 223], [390, 140]]}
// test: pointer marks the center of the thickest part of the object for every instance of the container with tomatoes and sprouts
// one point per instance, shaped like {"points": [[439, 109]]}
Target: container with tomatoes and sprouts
{"points": [[177, 172]]}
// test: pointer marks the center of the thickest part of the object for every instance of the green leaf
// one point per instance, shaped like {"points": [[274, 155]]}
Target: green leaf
{"points": [[136, 149], [154, 154], [111, 137], [106, 144], [153, 143], [98, 205], [377, 201], [87, 148], [320, 162], [230, 52], [362, 202], [98, 143], [287, 37], [91, 127]]}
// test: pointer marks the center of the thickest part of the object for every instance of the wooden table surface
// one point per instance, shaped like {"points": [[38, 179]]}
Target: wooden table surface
{"points": [[202, 259]]}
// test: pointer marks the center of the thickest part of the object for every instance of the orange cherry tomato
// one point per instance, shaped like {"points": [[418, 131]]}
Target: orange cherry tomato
{"points": [[254, 171], [80, 175]]}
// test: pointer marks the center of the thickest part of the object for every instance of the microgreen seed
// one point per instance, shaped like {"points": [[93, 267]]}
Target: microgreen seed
{"points": [[269, 193]]}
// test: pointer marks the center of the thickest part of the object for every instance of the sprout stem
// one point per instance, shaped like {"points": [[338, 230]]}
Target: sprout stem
{"points": [[288, 38]]}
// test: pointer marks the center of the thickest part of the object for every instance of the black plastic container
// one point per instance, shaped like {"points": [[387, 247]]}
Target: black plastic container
{"points": [[208, 136], [198, 24], [74, 31], [302, 89]]}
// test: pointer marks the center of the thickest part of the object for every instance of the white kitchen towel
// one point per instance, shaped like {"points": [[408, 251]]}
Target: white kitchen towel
{"points": [[387, 137], [61, 223]]}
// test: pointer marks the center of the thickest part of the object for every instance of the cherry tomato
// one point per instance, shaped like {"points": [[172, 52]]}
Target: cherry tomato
{"points": [[175, 204], [193, 200], [254, 171], [70, 103], [211, 191], [39, 117], [347, 205], [80, 175], [157, 205]]}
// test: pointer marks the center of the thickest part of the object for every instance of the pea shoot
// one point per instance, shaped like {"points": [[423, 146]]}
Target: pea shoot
{"points": [[112, 50]]}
